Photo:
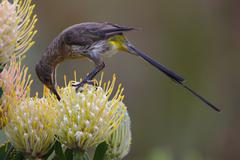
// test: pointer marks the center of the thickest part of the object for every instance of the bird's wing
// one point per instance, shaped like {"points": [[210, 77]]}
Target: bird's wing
{"points": [[87, 33]]}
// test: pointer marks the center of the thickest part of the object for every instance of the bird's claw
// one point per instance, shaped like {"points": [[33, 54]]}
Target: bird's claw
{"points": [[81, 84]]}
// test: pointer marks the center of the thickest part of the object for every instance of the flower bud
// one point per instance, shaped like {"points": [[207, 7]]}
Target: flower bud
{"points": [[120, 140]]}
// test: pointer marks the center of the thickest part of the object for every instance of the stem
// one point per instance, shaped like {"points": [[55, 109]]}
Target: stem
{"points": [[80, 155]]}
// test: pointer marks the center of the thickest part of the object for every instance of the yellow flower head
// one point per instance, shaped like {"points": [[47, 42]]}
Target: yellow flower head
{"points": [[15, 83], [120, 140], [88, 117], [16, 28], [31, 127]]}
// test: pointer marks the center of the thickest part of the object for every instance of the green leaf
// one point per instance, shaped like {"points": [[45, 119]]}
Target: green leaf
{"points": [[1, 67], [100, 151], [1, 92], [7, 152], [4, 149], [59, 151], [17, 156], [69, 154]]}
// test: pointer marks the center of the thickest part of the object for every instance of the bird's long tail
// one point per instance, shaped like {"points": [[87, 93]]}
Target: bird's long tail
{"points": [[176, 78]]}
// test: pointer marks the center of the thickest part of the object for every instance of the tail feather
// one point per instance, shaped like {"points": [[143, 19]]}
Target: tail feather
{"points": [[158, 65], [201, 98], [176, 78]]}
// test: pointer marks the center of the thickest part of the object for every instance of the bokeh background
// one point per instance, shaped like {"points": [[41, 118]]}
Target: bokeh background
{"points": [[199, 39]]}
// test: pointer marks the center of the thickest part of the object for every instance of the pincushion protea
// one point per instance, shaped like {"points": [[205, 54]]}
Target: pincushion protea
{"points": [[88, 117], [16, 28], [31, 127], [15, 83]]}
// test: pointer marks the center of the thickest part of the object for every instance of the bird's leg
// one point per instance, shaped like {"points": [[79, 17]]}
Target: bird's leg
{"points": [[95, 57], [90, 76]]}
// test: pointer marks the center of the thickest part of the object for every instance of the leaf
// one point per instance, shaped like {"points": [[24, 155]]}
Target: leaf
{"points": [[17, 156], [1, 92], [1, 67], [69, 154], [4, 149], [100, 151], [59, 151], [7, 152]]}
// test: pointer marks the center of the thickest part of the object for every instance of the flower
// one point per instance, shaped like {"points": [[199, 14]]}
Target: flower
{"points": [[88, 117], [16, 28], [120, 140], [15, 84], [31, 127], [15, 81]]}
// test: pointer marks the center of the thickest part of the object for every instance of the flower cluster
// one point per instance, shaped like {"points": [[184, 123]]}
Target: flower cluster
{"points": [[88, 117], [16, 33], [81, 120]]}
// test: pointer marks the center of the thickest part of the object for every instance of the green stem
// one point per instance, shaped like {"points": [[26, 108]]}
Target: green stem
{"points": [[80, 155]]}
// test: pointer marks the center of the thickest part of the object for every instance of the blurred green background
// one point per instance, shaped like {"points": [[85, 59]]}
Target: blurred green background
{"points": [[199, 39]]}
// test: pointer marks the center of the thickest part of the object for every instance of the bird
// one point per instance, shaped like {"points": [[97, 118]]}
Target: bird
{"points": [[95, 41]]}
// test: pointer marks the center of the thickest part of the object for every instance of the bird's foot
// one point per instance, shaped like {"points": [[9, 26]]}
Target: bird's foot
{"points": [[81, 84]]}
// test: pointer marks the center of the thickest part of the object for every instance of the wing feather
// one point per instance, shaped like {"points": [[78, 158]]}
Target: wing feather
{"points": [[88, 33]]}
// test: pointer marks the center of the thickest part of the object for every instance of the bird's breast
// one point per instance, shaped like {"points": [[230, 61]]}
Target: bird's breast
{"points": [[104, 49], [109, 53]]}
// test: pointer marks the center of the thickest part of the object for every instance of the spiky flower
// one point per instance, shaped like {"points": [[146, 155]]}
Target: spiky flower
{"points": [[120, 140], [15, 80], [16, 28], [88, 117], [31, 127], [15, 83]]}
